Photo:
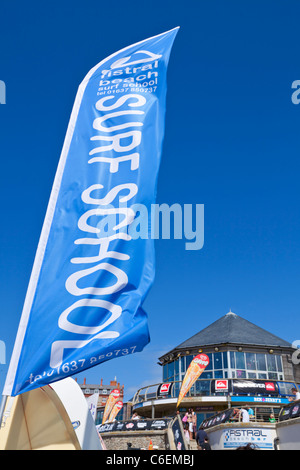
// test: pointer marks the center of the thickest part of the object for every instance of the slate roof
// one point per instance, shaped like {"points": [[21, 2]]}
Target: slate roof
{"points": [[233, 329]]}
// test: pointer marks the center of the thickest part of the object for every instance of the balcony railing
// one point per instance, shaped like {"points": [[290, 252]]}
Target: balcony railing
{"points": [[204, 388]]}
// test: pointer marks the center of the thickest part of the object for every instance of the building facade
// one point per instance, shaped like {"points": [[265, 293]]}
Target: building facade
{"points": [[103, 392], [242, 357]]}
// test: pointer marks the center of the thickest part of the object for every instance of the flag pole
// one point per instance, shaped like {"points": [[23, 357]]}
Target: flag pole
{"points": [[2, 407]]}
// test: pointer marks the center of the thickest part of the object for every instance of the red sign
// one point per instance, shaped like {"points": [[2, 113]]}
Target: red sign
{"points": [[270, 386], [221, 385], [165, 388]]}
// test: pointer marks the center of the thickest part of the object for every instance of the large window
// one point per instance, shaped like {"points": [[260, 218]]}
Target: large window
{"points": [[255, 366], [235, 364]]}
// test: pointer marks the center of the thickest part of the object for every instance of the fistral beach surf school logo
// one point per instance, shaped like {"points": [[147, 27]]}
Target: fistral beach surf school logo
{"points": [[139, 57]]}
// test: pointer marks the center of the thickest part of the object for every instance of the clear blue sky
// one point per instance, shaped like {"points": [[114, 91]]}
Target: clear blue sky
{"points": [[232, 143]]}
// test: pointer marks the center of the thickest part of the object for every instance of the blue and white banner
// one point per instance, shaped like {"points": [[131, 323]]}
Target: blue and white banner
{"points": [[83, 304]]}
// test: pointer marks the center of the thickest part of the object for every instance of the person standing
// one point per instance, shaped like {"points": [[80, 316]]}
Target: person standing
{"points": [[206, 444], [194, 420], [190, 422], [245, 415], [200, 438], [296, 394]]}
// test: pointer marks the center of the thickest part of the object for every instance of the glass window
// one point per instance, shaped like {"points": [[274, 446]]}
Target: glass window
{"points": [[176, 389], [203, 387], [232, 360], [250, 361], [188, 360], [261, 362], [207, 375], [240, 374], [285, 388], [170, 369], [165, 372], [261, 376], [251, 375], [271, 363], [240, 360], [182, 364], [225, 362], [218, 374], [272, 375], [218, 361], [177, 367], [279, 363], [210, 365]]}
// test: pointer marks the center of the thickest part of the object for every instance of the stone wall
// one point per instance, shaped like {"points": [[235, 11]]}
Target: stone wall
{"points": [[118, 441]]}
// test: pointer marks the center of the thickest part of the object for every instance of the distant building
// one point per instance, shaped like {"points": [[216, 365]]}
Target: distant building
{"points": [[104, 391]]}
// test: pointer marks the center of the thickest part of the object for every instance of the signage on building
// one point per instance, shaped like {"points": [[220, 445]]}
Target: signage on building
{"points": [[254, 387], [245, 387], [164, 389], [135, 425], [250, 399], [221, 385], [236, 437]]}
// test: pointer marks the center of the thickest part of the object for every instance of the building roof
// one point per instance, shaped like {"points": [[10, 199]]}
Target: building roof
{"points": [[233, 329]]}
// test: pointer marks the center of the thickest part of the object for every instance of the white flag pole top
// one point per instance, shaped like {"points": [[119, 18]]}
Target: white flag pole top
{"points": [[29, 347]]}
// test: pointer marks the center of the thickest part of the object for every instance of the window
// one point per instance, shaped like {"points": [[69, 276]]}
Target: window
{"points": [[272, 375], [171, 370], [182, 364], [261, 362], [240, 374], [188, 360], [232, 360], [218, 361], [250, 361], [225, 361], [255, 365], [240, 360], [207, 375], [202, 387], [210, 365], [251, 375], [286, 388], [219, 374], [271, 363], [261, 375], [279, 363]]}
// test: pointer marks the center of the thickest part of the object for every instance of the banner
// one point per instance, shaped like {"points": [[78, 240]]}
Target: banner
{"points": [[254, 387], [92, 402], [113, 397], [91, 274], [117, 407], [135, 425], [194, 371]]}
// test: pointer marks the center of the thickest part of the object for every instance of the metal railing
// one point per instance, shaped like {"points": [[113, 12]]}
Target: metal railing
{"points": [[234, 415], [201, 388]]}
